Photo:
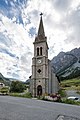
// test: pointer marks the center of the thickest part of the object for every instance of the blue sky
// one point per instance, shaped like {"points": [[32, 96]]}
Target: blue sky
{"points": [[19, 21]]}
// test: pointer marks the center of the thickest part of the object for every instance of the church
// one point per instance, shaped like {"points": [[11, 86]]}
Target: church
{"points": [[43, 80]]}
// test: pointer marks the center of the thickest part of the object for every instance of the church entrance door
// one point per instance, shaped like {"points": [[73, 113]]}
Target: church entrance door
{"points": [[39, 90]]}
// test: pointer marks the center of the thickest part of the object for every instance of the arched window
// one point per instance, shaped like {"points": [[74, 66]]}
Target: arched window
{"points": [[40, 50], [37, 51]]}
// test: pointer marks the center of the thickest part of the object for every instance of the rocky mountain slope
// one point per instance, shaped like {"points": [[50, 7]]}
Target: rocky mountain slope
{"points": [[67, 64], [4, 80]]}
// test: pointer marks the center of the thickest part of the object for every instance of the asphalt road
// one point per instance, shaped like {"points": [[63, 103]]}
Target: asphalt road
{"points": [[72, 93], [14, 108]]}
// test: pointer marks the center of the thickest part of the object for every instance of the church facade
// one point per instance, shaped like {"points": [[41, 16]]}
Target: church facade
{"points": [[43, 80]]}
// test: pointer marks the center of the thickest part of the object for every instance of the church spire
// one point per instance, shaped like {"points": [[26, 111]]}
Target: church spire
{"points": [[41, 27], [41, 34]]}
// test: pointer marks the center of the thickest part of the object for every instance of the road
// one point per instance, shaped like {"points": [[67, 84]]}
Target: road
{"points": [[14, 108], [72, 93]]}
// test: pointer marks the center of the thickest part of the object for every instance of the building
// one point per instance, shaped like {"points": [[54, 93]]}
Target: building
{"points": [[43, 79], [2, 85]]}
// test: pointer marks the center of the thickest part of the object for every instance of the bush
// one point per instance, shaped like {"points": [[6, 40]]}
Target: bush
{"points": [[56, 97], [53, 97], [17, 86], [62, 93], [67, 101]]}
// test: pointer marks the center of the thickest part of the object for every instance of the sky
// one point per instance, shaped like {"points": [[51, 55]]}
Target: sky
{"points": [[19, 22]]}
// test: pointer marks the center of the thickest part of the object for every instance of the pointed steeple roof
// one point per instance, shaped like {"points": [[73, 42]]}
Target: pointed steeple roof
{"points": [[41, 27], [41, 34]]}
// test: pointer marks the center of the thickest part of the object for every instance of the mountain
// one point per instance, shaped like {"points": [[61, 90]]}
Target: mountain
{"points": [[67, 64], [4, 80]]}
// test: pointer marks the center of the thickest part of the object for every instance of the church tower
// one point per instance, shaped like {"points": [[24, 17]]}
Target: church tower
{"points": [[39, 79], [43, 79]]}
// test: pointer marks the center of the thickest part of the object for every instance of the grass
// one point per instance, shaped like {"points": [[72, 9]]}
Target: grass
{"points": [[71, 84], [73, 102], [25, 95], [75, 81], [62, 93]]}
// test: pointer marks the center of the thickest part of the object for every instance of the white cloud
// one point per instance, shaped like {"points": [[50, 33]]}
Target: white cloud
{"points": [[21, 46], [62, 27]]}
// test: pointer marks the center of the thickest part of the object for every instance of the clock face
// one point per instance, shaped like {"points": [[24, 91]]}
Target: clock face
{"points": [[39, 61]]}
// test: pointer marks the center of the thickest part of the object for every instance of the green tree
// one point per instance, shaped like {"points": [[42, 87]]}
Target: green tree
{"points": [[17, 86]]}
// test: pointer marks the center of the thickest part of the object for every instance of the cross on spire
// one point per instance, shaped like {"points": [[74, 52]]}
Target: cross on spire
{"points": [[41, 14]]}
